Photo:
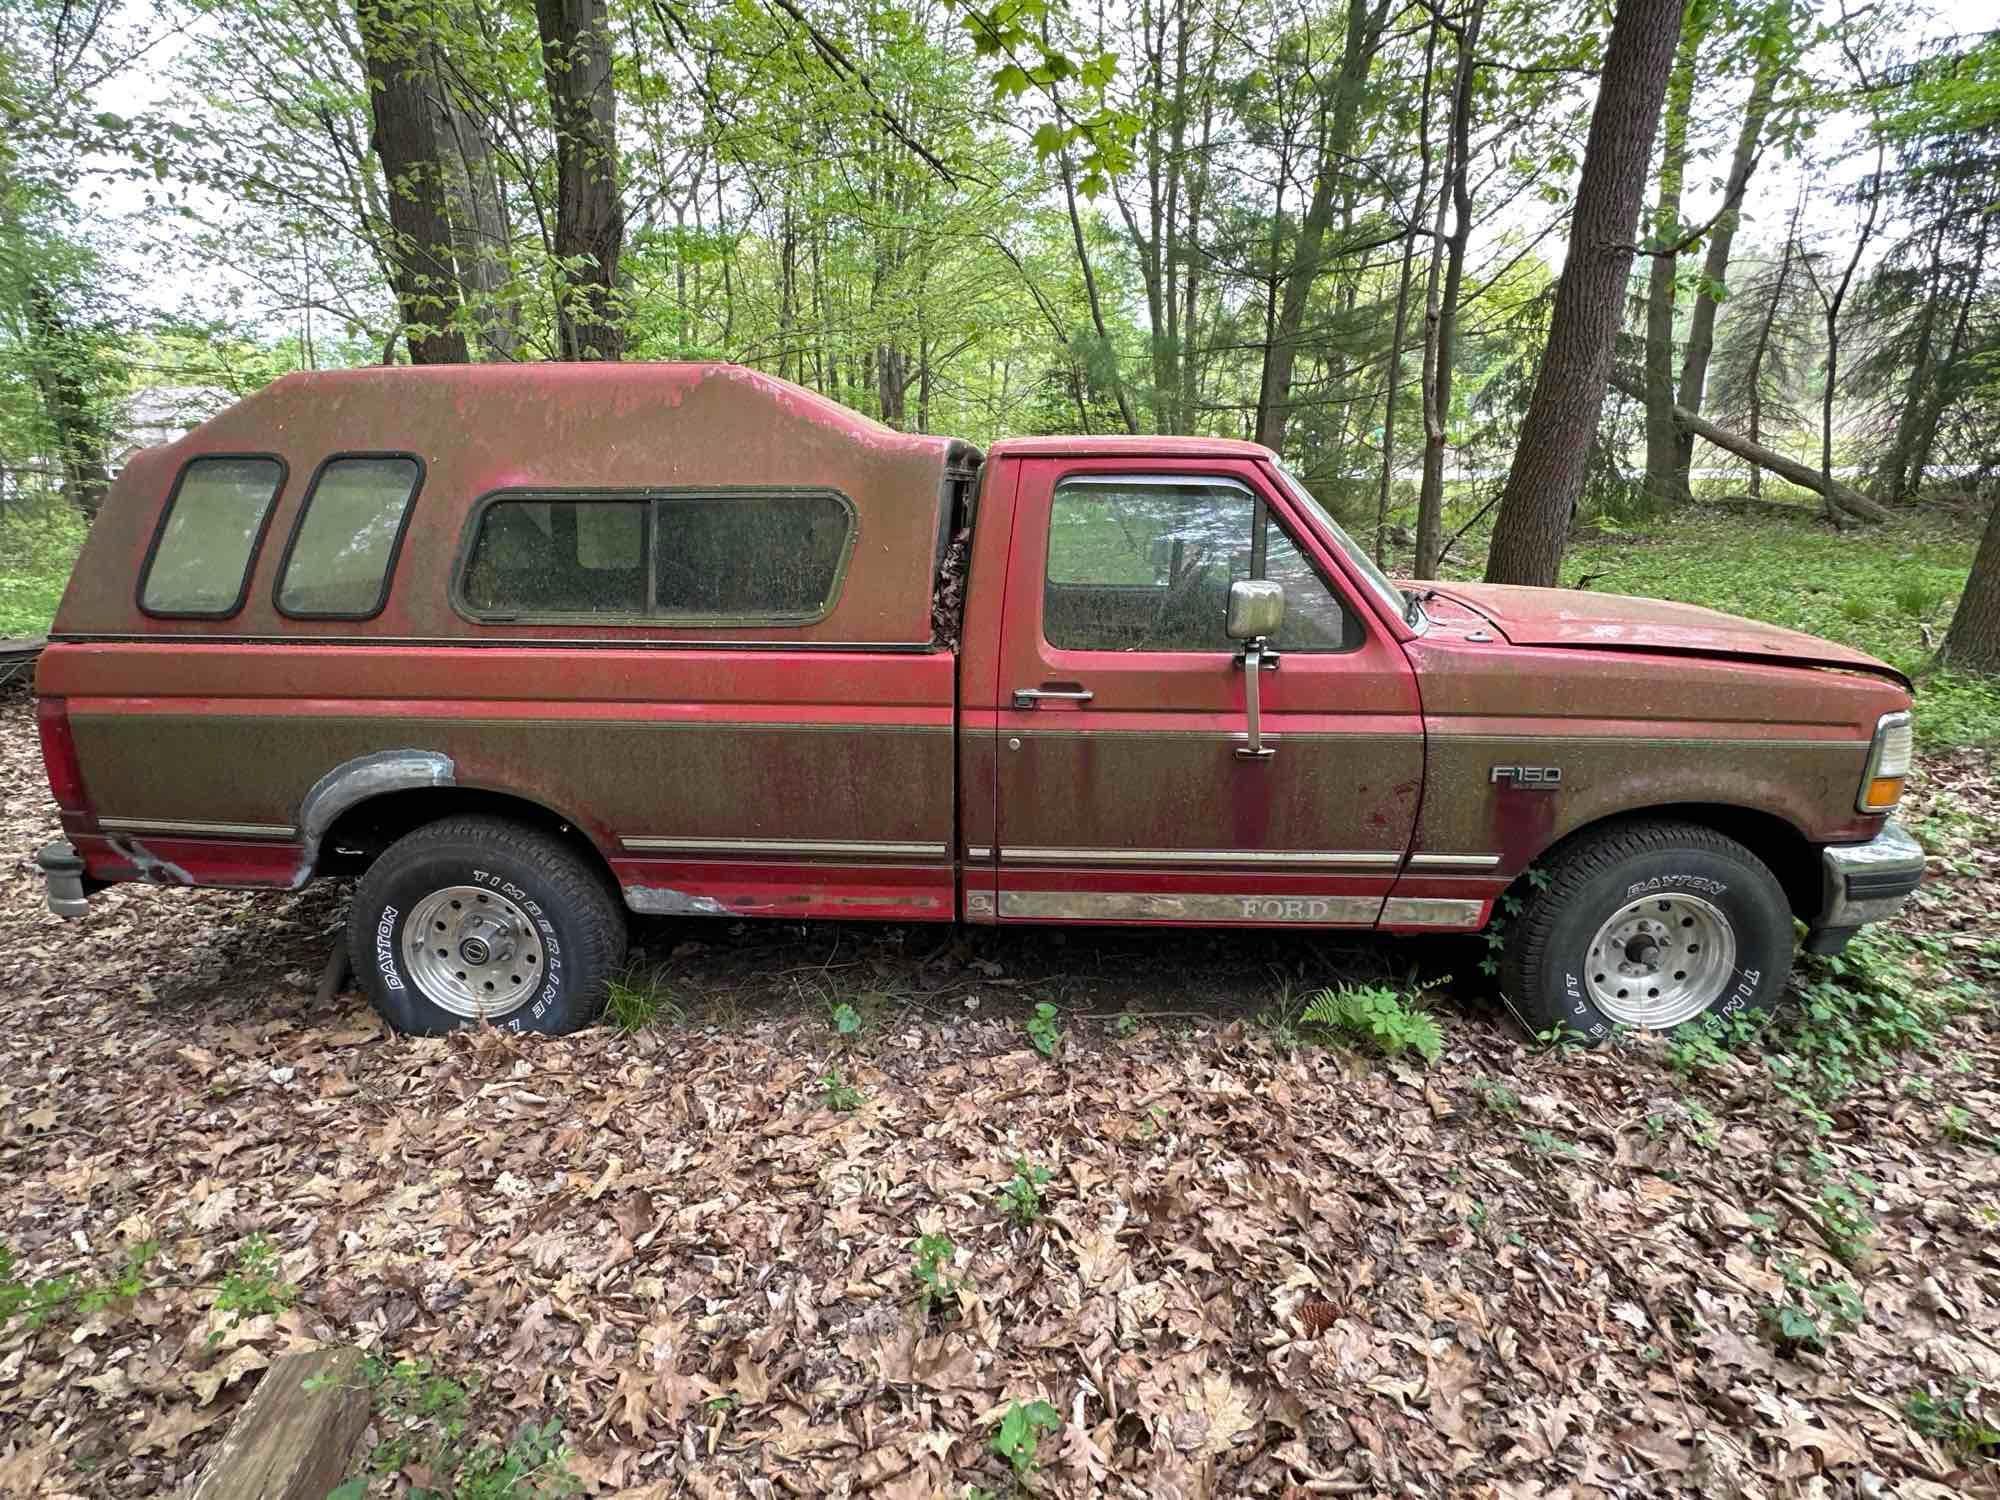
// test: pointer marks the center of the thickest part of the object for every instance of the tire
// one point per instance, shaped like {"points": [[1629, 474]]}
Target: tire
{"points": [[518, 930], [1651, 924]]}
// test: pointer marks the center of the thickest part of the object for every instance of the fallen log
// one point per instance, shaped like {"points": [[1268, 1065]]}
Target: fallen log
{"points": [[288, 1442], [1769, 459]]}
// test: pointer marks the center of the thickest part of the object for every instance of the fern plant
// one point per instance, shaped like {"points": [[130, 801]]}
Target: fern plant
{"points": [[1376, 1017]]}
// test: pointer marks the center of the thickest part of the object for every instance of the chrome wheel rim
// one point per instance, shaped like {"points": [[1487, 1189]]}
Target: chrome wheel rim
{"points": [[472, 952], [1659, 962]]}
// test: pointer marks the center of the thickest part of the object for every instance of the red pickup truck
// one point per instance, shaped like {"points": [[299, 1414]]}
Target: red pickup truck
{"points": [[525, 648]]}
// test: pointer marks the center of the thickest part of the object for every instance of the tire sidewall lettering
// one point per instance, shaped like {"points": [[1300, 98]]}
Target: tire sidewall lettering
{"points": [[543, 1001], [386, 923]]}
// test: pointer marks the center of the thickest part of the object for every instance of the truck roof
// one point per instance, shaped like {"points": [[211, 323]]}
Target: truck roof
{"points": [[1123, 446]]}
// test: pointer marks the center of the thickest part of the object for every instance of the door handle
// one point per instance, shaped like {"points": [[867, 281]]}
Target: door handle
{"points": [[1029, 697]]}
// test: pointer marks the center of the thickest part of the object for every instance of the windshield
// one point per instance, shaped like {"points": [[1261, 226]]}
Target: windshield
{"points": [[1376, 579]]}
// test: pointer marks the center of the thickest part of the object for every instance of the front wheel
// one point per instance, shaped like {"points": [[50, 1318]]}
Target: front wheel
{"points": [[479, 919], [1652, 925]]}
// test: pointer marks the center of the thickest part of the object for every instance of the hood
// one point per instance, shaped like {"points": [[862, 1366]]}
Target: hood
{"points": [[1579, 619]]}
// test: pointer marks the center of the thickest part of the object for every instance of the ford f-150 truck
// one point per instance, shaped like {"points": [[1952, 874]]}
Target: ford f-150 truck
{"points": [[525, 648]]}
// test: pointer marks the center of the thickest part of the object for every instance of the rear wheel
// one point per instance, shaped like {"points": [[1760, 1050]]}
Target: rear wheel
{"points": [[479, 919], [1650, 925]]}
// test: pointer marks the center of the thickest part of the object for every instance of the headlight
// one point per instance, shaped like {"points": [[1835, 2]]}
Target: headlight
{"points": [[1888, 764]]}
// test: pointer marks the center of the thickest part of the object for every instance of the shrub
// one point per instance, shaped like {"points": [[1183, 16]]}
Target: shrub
{"points": [[1377, 1017], [1021, 1432], [1022, 1196]]}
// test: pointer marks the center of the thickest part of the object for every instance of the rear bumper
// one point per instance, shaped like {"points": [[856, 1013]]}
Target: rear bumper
{"points": [[62, 869], [1862, 883]]}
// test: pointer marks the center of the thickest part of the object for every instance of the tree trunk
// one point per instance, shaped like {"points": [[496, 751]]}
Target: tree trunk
{"points": [[1090, 290], [1946, 373], [1439, 360], [1837, 496], [1402, 319], [481, 239], [1701, 327], [1274, 390], [58, 361], [1553, 450], [590, 219], [420, 260], [1662, 455], [1973, 641]]}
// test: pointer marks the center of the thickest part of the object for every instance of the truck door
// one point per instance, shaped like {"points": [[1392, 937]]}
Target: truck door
{"points": [[1128, 788]]}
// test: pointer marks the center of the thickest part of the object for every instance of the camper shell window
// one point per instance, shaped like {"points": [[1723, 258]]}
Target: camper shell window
{"points": [[712, 557], [342, 553], [198, 566]]}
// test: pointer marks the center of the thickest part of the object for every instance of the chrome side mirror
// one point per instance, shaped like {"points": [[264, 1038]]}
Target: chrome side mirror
{"points": [[1256, 608]]}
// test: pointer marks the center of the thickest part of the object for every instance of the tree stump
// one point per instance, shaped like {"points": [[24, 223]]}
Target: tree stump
{"points": [[290, 1443]]}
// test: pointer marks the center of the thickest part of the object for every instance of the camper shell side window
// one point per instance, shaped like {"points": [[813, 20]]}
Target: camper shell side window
{"points": [[340, 560], [726, 557], [199, 562]]}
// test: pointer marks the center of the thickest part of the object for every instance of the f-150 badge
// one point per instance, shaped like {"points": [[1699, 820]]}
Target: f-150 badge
{"points": [[1528, 778]]}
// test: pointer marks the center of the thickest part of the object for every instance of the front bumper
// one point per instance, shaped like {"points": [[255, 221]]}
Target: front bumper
{"points": [[62, 868], [1863, 883]]}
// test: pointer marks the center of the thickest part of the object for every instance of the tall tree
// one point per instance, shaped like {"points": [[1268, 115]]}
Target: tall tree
{"points": [[405, 138], [590, 219], [1662, 437], [1334, 169], [1553, 451], [1774, 51], [1441, 309]]}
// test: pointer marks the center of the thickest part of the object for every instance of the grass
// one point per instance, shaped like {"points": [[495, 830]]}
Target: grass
{"points": [[634, 1001], [39, 542], [1875, 589]]}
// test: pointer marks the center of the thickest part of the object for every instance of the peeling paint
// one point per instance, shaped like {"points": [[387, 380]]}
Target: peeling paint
{"points": [[663, 901], [152, 869]]}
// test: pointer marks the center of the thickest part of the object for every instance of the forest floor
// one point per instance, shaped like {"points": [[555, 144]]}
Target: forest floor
{"points": [[1258, 1266]]}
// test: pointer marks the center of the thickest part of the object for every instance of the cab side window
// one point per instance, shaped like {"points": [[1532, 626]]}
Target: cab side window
{"points": [[200, 565], [344, 545], [1146, 564]]}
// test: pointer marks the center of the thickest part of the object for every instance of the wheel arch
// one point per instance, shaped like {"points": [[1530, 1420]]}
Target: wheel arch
{"points": [[361, 807], [1781, 845]]}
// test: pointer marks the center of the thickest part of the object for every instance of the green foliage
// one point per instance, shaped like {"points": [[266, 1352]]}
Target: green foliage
{"points": [[1497, 1097], [844, 1019], [1548, 1143], [1043, 1029], [1021, 1197], [1844, 1221], [1812, 1311], [1861, 1010], [936, 1286], [1376, 1017], [38, 1302], [252, 1287], [840, 1095], [430, 1425], [635, 1002], [1022, 1429], [34, 1302], [1954, 1420], [38, 546]]}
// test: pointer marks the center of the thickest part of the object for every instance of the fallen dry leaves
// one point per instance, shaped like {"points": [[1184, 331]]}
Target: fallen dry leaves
{"points": [[1258, 1273]]}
